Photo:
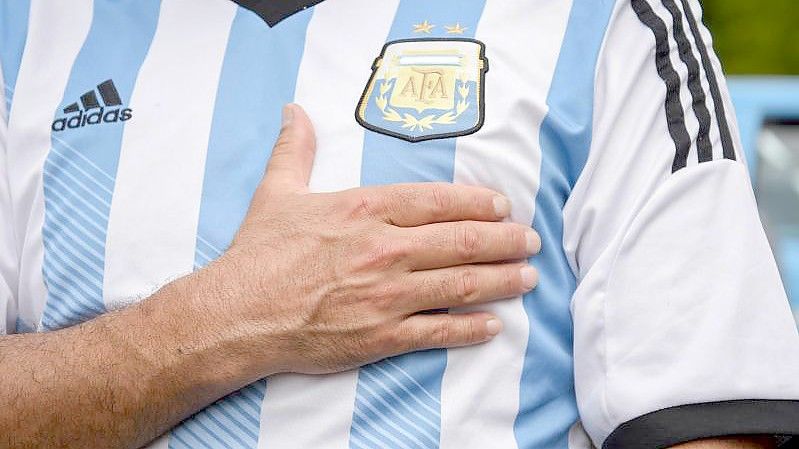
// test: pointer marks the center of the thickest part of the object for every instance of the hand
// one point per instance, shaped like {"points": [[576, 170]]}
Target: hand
{"points": [[328, 282]]}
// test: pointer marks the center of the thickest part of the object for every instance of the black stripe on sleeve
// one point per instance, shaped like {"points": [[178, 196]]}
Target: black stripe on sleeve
{"points": [[704, 147], [675, 425], [674, 113], [724, 129]]}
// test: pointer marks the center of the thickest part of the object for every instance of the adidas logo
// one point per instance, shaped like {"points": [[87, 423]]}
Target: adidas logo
{"points": [[93, 113]]}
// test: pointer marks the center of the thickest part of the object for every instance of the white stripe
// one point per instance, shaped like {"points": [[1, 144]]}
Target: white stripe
{"points": [[153, 221], [38, 93], [298, 411], [437, 60], [480, 389]]}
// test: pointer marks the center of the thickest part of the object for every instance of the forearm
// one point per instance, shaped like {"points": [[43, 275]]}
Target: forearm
{"points": [[119, 380], [731, 443]]}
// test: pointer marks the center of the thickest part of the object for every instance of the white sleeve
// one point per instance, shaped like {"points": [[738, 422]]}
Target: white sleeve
{"points": [[8, 258], [682, 329]]}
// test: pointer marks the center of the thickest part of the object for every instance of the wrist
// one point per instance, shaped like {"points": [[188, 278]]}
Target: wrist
{"points": [[178, 345], [212, 327]]}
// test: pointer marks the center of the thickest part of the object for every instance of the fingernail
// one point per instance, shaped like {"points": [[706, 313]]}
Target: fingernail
{"points": [[288, 115], [493, 327], [501, 206], [529, 277], [533, 242]]}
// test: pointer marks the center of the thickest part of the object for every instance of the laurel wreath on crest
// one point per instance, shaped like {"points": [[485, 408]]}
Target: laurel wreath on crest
{"points": [[416, 123]]}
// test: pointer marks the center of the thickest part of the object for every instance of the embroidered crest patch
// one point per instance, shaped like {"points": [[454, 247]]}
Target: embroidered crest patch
{"points": [[423, 89]]}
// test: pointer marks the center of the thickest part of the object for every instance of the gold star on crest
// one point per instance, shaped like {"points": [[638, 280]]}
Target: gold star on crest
{"points": [[424, 27], [455, 29]]}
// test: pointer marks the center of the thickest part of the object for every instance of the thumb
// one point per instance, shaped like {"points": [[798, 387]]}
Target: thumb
{"points": [[289, 168]]}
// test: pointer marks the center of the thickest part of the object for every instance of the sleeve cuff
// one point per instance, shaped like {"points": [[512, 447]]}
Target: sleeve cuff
{"points": [[671, 426]]}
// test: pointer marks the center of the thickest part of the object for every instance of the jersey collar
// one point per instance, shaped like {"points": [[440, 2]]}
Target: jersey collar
{"points": [[273, 11]]}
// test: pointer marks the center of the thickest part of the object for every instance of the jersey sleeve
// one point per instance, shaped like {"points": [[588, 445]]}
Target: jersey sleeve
{"points": [[8, 259], [682, 329]]}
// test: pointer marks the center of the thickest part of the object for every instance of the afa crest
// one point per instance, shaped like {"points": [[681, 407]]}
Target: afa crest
{"points": [[423, 89]]}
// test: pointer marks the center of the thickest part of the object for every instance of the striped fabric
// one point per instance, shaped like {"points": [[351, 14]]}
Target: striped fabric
{"points": [[80, 170], [129, 205], [231, 177], [138, 131], [386, 413]]}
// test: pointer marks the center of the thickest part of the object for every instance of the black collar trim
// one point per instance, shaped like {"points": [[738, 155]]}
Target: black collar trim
{"points": [[273, 11]]}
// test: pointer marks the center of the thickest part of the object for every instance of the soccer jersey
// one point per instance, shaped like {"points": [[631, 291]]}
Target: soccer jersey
{"points": [[133, 134]]}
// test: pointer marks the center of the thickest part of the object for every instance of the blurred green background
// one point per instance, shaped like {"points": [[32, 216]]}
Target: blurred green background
{"points": [[755, 36]]}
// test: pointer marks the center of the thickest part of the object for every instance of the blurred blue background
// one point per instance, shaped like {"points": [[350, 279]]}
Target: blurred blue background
{"points": [[758, 44]]}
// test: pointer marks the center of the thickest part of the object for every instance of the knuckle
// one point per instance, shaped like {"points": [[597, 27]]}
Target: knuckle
{"points": [[361, 205], [406, 339], [442, 333], [442, 198], [385, 295], [383, 252], [467, 241], [378, 254], [470, 332], [467, 285], [282, 145]]}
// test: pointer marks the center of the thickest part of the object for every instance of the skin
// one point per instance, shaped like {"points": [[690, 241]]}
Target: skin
{"points": [[732, 443], [363, 263]]}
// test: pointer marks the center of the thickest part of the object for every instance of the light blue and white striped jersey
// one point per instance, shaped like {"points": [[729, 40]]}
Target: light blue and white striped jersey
{"points": [[134, 132]]}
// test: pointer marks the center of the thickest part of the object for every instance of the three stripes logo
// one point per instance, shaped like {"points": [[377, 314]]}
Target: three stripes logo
{"points": [[91, 112]]}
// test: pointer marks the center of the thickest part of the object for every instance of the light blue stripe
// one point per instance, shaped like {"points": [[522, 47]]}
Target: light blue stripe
{"points": [[13, 33], [189, 434], [82, 163], [789, 260], [22, 327], [388, 160], [547, 404], [258, 77]]}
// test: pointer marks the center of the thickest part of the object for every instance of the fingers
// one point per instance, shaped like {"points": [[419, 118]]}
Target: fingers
{"points": [[420, 332], [423, 203], [289, 168], [442, 245], [467, 285]]}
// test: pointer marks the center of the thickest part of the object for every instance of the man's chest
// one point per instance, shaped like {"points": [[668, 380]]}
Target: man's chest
{"points": [[143, 135], [137, 137]]}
